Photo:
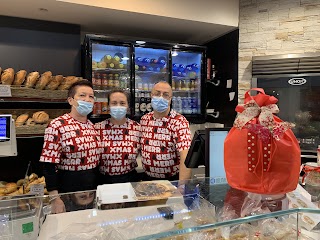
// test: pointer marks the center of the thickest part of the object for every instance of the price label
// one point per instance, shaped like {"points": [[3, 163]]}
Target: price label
{"points": [[37, 189], [5, 91]]}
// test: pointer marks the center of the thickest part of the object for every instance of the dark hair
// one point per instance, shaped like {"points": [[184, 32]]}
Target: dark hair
{"points": [[72, 90], [118, 91]]}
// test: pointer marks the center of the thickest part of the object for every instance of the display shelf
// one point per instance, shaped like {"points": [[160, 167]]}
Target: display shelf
{"points": [[109, 70], [109, 90], [184, 77], [151, 72], [31, 100]]}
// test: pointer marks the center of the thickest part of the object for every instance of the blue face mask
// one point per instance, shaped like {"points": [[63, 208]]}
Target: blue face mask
{"points": [[159, 104], [84, 108], [118, 112]]}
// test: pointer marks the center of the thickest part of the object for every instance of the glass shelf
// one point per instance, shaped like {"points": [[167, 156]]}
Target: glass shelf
{"points": [[109, 70], [150, 72]]}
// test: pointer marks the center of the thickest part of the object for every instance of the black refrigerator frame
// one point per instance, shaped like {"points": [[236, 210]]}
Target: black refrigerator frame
{"points": [[86, 63]]}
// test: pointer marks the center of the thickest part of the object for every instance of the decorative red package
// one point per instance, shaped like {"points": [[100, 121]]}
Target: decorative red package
{"points": [[261, 153]]}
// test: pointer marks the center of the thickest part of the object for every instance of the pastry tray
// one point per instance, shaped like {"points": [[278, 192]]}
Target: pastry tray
{"points": [[115, 193], [153, 190]]}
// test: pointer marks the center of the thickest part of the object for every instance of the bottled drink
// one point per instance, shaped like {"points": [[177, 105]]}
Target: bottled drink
{"points": [[179, 105], [187, 85], [104, 106], [110, 82], [146, 86], [173, 85], [194, 105], [189, 109], [178, 84], [150, 86], [96, 108], [104, 82], [192, 85], [123, 81], [148, 102], [174, 103], [184, 105], [96, 81], [137, 103], [143, 106]]}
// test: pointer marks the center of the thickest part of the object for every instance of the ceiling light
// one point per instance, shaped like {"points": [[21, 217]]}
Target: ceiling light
{"points": [[140, 42], [125, 58]]}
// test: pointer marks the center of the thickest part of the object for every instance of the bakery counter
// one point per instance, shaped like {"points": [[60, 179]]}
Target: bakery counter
{"points": [[194, 209]]}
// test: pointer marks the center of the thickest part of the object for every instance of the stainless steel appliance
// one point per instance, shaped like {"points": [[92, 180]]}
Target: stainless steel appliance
{"points": [[294, 79]]}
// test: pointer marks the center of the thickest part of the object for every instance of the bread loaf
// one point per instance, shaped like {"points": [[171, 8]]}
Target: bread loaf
{"points": [[10, 187], [21, 119], [40, 117], [67, 82], [20, 77], [55, 82], [44, 80], [7, 77], [32, 78], [30, 122]]}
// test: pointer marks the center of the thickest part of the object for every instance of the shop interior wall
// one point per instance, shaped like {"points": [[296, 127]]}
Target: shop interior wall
{"points": [[35, 45], [223, 53]]}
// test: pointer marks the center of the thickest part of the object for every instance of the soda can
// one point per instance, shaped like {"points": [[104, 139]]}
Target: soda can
{"points": [[97, 108], [104, 108]]}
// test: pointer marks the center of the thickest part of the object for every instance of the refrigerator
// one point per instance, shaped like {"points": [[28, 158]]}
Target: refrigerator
{"points": [[136, 66]]}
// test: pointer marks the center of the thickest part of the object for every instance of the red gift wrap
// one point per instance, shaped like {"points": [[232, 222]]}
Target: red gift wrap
{"points": [[261, 153]]}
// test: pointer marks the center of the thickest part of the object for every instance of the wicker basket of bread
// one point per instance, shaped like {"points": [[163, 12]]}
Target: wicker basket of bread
{"points": [[36, 85], [22, 186], [31, 122]]}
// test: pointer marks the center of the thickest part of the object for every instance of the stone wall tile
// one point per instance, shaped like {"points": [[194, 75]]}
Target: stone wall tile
{"points": [[296, 12], [309, 2], [281, 36], [274, 45], [278, 15], [268, 26], [285, 27], [293, 25]]}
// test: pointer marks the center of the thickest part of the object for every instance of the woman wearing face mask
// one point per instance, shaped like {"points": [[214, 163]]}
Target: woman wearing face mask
{"points": [[72, 147], [120, 138]]}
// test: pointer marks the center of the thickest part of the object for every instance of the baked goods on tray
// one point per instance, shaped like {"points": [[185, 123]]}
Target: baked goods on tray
{"points": [[7, 76], [20, 77], [151, 190]]}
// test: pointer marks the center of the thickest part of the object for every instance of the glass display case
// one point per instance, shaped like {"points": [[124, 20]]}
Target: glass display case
{"points": [[193, 209]]}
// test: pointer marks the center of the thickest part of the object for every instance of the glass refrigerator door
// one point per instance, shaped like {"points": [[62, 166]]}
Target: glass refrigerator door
{"points": [[151, 66], [299, 103], [110, 70], [186, 82]]}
